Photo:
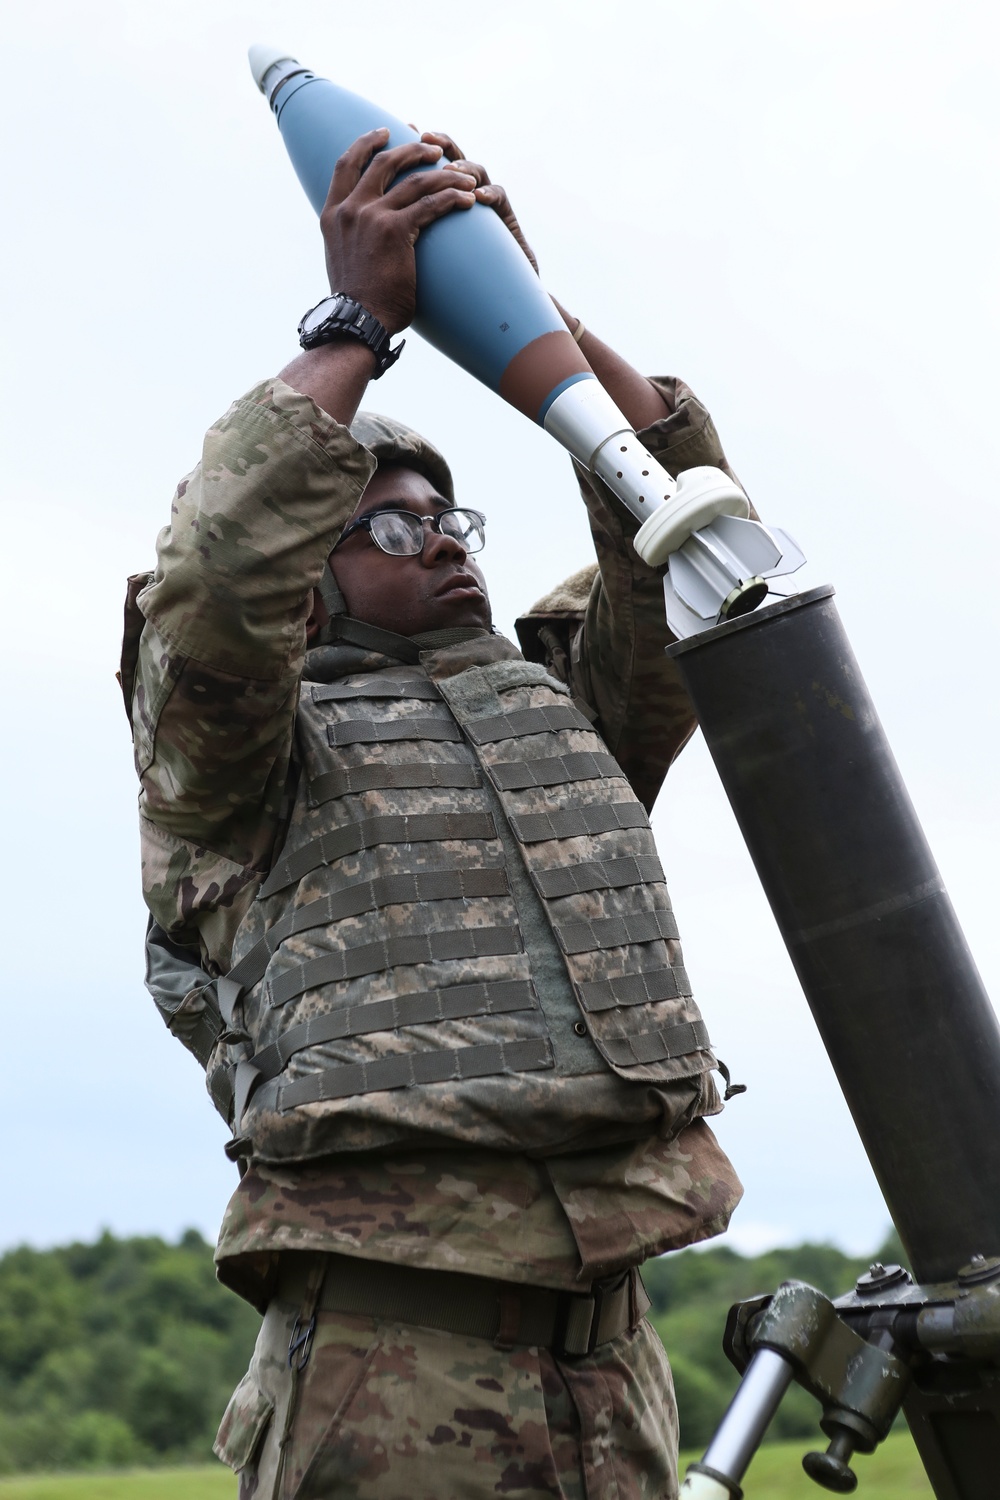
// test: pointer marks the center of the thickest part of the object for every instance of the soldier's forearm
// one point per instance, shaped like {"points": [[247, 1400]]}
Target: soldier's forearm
{"points": [[640, 401], [335, 376]]}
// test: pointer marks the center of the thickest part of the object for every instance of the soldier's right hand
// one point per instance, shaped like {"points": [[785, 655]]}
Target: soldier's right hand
{"points": [[371, 221]]}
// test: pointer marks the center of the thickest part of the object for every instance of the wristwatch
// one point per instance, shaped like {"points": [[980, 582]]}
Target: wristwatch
{"points": [[341, 316]]}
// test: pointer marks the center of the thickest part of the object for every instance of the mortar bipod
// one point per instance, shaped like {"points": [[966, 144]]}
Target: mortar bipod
{"points": [[932, 1350], [799, 1335]]}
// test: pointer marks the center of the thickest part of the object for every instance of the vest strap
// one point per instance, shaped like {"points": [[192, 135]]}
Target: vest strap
{"points": [[371, 638], [228, 990], [245, 1081], [599, 875], [365, 896], [371, 732], [405, 1070], [616, 932], [395, 953], [657, 1046], [555, 770], [386, 828], [578, 822], [375, 777], [523, 721], [423, 1007], [390, 687], [635, 989]]}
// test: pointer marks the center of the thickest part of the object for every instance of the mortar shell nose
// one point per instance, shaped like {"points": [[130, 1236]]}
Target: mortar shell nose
{"points": [[262, 57]]}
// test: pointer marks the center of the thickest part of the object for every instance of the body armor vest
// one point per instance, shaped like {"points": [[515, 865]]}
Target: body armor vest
{"points": [[466, 937]]}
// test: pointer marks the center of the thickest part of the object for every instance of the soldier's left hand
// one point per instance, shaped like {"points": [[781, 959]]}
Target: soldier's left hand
{"points": [[489, 193]]}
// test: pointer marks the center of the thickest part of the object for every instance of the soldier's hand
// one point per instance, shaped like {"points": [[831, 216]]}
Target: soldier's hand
{"points": [[489, 193], [371, 221]]}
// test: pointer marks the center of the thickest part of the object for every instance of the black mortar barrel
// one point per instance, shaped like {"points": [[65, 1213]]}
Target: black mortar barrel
{"points": [[853, 886]]}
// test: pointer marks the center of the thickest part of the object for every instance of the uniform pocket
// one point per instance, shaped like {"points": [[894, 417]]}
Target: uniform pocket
{"points": [[244, 1424]]}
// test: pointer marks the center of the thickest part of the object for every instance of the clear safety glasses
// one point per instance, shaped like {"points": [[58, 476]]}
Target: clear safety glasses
{"points": [[401, 532]]}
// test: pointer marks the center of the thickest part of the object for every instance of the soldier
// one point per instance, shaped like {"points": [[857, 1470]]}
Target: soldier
{"points": [[407, 911]]}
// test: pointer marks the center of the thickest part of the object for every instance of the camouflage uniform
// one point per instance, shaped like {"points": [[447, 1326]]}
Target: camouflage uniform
{"points": [[214, 654]]}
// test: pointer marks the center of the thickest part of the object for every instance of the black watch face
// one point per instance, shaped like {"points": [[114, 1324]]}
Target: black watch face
{"points": [[321, 314]]}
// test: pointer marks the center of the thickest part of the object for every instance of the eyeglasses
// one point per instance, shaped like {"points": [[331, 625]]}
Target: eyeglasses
{"points": [[401, 532]]}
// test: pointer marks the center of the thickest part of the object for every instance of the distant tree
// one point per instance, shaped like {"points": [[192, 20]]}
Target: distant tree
{"points": [[701, 1399], [116, 1352], [39, 1311]]}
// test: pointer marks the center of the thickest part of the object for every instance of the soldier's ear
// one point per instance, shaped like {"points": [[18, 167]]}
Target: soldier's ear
{"points": [[319, 616]]}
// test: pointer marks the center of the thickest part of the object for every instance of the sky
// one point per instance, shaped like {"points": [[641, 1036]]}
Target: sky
{"points": [[794, 207]]}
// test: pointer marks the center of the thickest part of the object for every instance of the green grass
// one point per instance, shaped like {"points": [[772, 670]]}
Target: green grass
{"points": [[892, 1473], [208, 1482]]}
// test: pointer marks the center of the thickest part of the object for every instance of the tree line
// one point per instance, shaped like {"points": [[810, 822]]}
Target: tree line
{"points": [[125, 1351]]}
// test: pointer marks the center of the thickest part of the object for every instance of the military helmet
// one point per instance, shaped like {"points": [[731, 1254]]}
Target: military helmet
{"points": [[394, 443]]}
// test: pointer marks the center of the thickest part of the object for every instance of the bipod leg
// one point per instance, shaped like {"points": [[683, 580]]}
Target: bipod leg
{"points": [[719, 1474]]}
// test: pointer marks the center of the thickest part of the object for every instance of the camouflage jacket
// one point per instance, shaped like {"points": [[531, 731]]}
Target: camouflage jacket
{"points": [[215, 646]]}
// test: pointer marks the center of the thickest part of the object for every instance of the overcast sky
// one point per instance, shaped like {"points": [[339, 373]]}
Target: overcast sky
{"points": [[792, 206]]}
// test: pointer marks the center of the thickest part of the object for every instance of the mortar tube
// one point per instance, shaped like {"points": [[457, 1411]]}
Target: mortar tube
{"points": [[862, 909]]}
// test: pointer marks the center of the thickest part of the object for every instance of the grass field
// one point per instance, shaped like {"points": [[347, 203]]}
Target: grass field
{"points": [[210, 1483], [893, 1473]]}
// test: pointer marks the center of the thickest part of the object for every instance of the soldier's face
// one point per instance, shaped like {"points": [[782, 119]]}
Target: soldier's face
{"points": [[441, 586]]}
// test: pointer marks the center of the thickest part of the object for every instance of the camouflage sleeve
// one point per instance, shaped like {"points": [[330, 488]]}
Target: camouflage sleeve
{"points": [[212, 676], [604, 630]]}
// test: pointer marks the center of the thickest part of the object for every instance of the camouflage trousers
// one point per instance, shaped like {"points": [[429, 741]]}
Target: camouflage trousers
{"points": [[386, 1411]]}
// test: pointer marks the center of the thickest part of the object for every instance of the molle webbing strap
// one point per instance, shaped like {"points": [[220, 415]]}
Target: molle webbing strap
{"points": [[521, 721], [364, 896], [577, 822], [371, 638], [599, 875], [657, 1046], [394, 953], [404, 1070], [386, 828], [422, 1008], [376, 777], [616, 932], [555, 770], [373, 732], [386, 686], [635, 989]]}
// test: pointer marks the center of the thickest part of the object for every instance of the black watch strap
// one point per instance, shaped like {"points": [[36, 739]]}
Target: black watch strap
{"points": [[340, 316]]}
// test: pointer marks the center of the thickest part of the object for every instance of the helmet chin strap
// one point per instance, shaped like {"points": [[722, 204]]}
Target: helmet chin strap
{"points": [[329, 592]]}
